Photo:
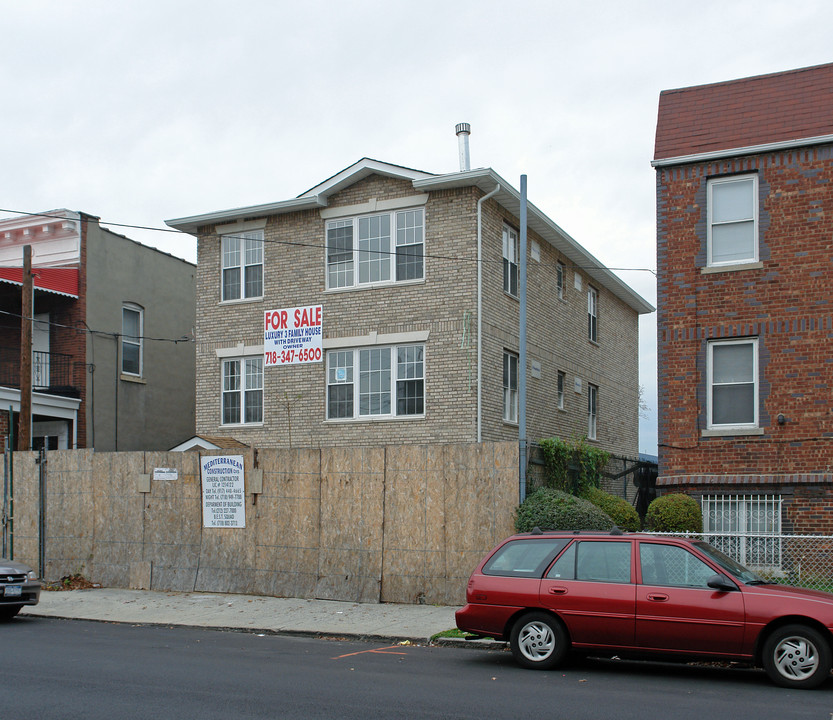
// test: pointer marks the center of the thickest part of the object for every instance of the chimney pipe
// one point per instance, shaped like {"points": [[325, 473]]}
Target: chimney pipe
{"points": [[463, 131]]}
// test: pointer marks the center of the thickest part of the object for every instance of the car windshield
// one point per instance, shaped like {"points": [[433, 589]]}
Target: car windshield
{"points": [[742, 573]]}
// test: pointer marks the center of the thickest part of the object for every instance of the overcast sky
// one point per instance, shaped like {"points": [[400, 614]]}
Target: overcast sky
{"points": [[138, 112]]}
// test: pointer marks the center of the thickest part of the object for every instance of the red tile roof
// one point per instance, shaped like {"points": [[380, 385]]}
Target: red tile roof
{"points": [[784, 106], [63, 281]]}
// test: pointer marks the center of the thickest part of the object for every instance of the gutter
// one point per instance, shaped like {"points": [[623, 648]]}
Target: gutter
{"points": [[747, 150]]}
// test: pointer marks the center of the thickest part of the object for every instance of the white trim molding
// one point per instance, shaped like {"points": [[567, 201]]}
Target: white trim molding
{"points": [[375, 338]]}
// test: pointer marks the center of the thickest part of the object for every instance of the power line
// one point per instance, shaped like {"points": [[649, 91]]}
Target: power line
{"points": [[320, 246], [100, 333]]}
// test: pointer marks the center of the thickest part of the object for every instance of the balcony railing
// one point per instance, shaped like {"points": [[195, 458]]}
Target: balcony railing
{"points": [[51, 372]]}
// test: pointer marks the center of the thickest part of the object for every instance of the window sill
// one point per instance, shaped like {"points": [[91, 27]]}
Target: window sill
{"points": [[595, 343], [242, 301], [372, 419], [133, 379], [729, 432], [516, 298], [375, 286], [736, 267], [242, 425]]}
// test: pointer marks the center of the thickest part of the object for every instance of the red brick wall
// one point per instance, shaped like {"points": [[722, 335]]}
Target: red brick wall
{"points": [[787, 305], [806, 508], [4, 428]]}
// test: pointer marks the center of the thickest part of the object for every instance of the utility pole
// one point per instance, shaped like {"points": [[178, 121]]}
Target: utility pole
{"points": [[24, 433]]}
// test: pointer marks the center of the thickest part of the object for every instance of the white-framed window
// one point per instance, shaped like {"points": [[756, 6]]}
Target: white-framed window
{"points": [[376, 249], [732, 220], [510, 387], [242, 398], [592, 314], [511, 253], [732, 371], [132, 322], [592, 410], [560, 275], [560, 390], [242, 265], [376, 382], [745, 527]]}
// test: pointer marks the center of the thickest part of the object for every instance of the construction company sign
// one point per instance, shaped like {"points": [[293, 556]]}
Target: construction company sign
{"points": [[223, 493], [292, 336]]}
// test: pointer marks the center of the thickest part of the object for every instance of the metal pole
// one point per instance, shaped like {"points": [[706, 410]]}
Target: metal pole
{"points": [[7, 457], [522, 350], [10, 524], [42, 512]]}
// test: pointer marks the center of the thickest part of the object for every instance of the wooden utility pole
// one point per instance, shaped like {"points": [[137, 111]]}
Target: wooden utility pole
{"points": [[24, 432]]}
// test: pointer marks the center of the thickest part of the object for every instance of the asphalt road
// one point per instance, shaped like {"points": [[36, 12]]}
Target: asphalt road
{"points": [[55, 669]]}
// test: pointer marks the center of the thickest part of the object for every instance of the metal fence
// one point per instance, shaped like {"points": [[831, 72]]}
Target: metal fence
{"points": [[805, 560]]}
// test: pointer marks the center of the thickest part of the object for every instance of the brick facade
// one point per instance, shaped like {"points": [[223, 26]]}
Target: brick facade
{"points": [[782, 301], [445, 306]]}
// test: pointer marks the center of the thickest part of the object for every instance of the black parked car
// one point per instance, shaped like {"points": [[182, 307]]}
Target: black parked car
{"points": [[19, 586]]}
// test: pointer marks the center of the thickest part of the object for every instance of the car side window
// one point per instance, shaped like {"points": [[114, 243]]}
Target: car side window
{"points": [[595, 561], [565, 567], [524, 558], [672, 566]]}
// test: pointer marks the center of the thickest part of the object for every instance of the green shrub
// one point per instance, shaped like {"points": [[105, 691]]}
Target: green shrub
{"points": [[572, 467], [551, 509], [674, 513], [620, 510]]}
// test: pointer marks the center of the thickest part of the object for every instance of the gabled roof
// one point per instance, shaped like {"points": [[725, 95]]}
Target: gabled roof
{"points": [[485, 179], [755, 114], [209, 442]]}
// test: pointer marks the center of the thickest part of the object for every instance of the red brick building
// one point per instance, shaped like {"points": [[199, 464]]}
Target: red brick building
{"points": [[745, 308]]}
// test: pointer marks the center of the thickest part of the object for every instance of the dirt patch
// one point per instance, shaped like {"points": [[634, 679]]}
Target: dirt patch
{"points": [[71, 582]]}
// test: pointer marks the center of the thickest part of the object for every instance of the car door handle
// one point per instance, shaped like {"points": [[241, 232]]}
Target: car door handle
{"points": [[557, 591], [657, 597]]}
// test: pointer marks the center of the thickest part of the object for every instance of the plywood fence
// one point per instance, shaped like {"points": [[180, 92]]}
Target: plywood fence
{"points": [[372, 524]]}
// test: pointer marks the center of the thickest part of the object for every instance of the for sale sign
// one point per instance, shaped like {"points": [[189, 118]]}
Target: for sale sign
{"points": [[292, 336], [223, 494]]}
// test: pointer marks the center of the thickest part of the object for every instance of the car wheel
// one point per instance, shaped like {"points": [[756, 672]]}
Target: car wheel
{"points": [[7, 613], [797, 656], [538, 641]]}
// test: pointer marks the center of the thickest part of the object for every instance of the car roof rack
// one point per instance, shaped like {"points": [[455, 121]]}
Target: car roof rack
{"points": [[538, 531]]}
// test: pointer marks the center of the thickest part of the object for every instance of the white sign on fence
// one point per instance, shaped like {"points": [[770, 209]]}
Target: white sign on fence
{"points": [[292, 336], [223, 493]]}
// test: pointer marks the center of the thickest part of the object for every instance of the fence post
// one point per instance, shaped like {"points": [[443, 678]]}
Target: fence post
{"points": [[42, 512]]}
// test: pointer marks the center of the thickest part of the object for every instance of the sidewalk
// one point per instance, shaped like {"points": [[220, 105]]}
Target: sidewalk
{"points": [[385, 621]]}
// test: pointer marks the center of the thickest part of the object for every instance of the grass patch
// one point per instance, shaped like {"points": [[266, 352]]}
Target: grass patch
{"points": [[453, 633]]}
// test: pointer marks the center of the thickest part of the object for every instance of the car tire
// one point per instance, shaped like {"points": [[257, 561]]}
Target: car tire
{"points": [[796, 656], [539, 641], [7, 613]]}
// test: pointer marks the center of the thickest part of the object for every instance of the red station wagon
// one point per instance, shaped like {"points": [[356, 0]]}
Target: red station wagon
{"points": [[637, 595]]}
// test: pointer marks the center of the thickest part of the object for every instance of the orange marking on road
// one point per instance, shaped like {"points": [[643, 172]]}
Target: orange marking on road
{"points": [[380, 651]]}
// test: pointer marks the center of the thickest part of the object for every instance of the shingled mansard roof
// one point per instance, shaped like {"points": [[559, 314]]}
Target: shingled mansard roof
{"points": [[751, 115], [485, 179]]}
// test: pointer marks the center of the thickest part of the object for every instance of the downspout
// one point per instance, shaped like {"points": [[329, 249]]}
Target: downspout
{"points": [[480, 311]]}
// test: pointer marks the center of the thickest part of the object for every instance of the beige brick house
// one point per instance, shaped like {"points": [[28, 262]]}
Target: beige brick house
{"points": [[390, 255]]}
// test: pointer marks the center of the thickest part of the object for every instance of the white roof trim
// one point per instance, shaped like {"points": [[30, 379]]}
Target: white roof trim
{"points": [[191, 223], [747, 150], [360, 170]]}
